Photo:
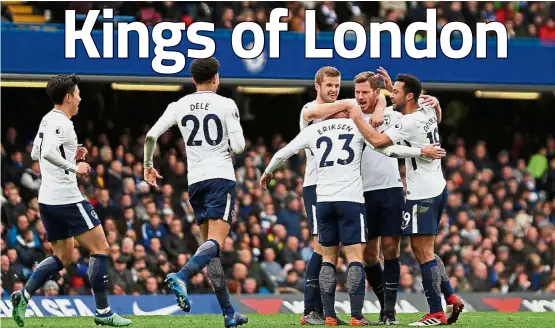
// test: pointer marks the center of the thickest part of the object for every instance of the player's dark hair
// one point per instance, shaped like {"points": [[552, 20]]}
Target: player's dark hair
{"points": [[61, 85], [412, 85], [203, 70]]}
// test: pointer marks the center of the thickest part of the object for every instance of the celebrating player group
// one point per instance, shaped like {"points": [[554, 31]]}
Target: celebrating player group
{"points": [[353, 192]]}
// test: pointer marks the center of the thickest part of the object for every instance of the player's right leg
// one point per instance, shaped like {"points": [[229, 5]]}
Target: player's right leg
{"points": [[62, 250], [329, 240], [313, 312], [391, 220], [373, 267], [213, 202], [95, 241], [421, 222]]}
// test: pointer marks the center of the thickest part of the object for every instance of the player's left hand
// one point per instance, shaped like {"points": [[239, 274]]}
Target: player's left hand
{"points": [[265, 179], [151, 175], [81, 153], [433, 151], [377, 119], [429, 101]]}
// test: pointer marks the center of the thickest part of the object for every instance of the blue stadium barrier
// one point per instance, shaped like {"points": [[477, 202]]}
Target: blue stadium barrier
{"points": [[530, 61]]}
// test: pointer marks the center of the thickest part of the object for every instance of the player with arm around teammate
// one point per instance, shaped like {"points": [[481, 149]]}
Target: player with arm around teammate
{"points": [[65, 213], [337, 147], [210, 125], [327, 82], [426, 193]]}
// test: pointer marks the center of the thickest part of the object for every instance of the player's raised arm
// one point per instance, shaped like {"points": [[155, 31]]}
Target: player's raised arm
{"points": [[235, 131], [431, 101], [300, 142], [378, 116]]}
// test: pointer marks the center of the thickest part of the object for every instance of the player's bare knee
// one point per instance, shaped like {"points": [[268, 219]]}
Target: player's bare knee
{"points": [[317, 247], [371, 253], [354, 253], [390, 247]]}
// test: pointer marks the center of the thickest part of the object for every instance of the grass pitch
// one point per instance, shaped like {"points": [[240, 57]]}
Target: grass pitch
{"points": [[466, 320]]}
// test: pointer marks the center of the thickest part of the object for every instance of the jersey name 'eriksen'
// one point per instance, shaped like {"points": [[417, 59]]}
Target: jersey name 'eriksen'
{"points": [[334, 127]]}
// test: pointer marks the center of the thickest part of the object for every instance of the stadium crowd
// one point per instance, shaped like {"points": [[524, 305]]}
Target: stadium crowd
{"points": [[521, 18], [497, 234]]}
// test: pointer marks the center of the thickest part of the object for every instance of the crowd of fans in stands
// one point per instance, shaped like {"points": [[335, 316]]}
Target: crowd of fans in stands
{"points": [[497, 234], [521, 18]]}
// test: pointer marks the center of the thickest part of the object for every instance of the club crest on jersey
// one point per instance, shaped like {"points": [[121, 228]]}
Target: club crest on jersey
{"points": [[387, 120], [236, 114], [59, 131]]}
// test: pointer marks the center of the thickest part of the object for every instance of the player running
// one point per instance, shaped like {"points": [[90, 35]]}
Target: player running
{"points": [[337, 147], [327, 82], [210, 125], [426, 192], [65, 213]]}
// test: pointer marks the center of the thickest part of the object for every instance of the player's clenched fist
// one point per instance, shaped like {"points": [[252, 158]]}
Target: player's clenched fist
{"points": [[81, 154], [83, 169], [151, 175]]}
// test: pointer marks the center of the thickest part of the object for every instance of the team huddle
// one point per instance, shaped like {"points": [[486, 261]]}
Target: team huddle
{"points": [[353, 193]]}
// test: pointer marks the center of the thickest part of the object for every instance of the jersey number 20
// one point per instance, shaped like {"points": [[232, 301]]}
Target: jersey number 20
{"points": [[329, 144], [196, 125]]}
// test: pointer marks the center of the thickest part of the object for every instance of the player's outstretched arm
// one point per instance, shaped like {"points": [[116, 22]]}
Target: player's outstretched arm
{"points": [[398, 151], [165, 122], [378, 140], [321, 111], [300, 142]]}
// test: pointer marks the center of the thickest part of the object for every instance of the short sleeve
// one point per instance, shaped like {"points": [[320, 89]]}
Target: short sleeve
{"points": [[402, 130], [233, 118]]}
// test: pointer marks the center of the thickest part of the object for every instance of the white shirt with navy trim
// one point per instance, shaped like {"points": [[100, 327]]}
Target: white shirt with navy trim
{"points": [[58, 186]]}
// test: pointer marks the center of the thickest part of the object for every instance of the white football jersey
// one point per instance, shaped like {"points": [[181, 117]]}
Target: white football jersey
{"points": [[424, 177], [311, 169], [58, 186], [205, 120], [337, 148], [378, 170]]}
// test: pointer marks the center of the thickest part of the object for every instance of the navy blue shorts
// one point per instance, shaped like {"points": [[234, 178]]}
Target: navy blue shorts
{"points": [[384, 212], [213, 199], [66, 221], [341, 222], [309, 198], [422, 216]]}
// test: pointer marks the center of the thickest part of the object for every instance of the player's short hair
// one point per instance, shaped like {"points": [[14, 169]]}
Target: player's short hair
{"points": [[204, 69], [369, 77], [61, 85], [326, 71], [412, 84]]}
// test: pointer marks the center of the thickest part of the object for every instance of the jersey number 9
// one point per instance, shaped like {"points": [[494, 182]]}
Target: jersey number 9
{"points": [[329, 144], [196, 125]]}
